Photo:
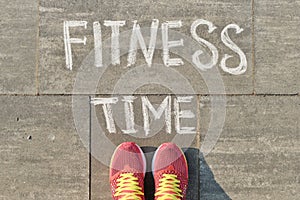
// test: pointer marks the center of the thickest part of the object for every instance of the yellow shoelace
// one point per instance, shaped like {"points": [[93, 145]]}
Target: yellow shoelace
{"points": [[128, 187], [169, 188]]}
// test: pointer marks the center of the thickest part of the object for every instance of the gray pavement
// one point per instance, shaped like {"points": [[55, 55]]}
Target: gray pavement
{"points": [[42, 156]]}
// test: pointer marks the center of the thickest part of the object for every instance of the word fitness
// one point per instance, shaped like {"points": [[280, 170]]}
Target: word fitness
{"points": [[137, 39]]}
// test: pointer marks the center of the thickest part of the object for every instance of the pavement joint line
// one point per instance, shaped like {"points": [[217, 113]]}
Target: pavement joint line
{"points": [[253, 46], [150, 94], [37, 49], [198, 139], [90, 149]]}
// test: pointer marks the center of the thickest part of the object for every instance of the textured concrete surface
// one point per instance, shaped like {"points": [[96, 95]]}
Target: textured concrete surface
{"points": [[277, 47], [18, 39], [42, 156], [257, 155], [100, 188], [157, 127], [209, 188], [56, 79]]}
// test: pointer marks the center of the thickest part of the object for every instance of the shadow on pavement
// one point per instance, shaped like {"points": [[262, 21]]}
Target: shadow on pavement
{"points": [[209, 188]]}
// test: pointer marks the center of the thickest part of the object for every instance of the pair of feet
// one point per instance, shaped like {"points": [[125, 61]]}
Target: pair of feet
{"points": [[128, 168]]}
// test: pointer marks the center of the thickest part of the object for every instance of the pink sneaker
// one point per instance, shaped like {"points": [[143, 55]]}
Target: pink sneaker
{"points": [[170, 171], [127, 172]]}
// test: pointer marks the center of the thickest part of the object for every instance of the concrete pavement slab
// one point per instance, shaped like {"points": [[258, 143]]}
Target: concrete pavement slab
{"points": [[257, 154], [55, 78], [103, 145], [18, 54], [42, 157], [277, 47]]}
